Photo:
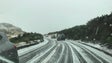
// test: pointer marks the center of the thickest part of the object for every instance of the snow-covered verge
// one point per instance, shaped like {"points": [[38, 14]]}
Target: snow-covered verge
{"points": [[20, 44], [31, 48], [104, 48]]}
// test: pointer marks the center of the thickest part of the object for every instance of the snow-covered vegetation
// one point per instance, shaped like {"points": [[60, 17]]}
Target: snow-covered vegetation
{"points": [[19, 37], [27, 39]]}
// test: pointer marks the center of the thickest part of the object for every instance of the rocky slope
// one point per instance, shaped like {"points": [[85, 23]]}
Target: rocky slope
{"points": [[10, 30]]}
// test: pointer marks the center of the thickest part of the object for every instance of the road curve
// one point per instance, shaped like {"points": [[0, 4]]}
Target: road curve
{"points": [[65, 52]]}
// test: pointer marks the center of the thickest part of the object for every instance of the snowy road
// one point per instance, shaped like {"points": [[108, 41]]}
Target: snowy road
{"points": [[52, 51]]}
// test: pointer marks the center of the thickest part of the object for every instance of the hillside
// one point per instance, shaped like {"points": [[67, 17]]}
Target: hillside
{"points": [[97, 30], [10, 30]]}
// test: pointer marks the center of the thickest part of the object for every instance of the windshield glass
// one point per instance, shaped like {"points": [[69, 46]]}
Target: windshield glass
{"points": [[4, 60], [55, 31], [0, 37]]}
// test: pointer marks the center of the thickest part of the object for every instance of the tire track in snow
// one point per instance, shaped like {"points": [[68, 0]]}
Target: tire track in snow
{"points": [[24, 58], [56, 55], [92, 55], [50, 58], [61, 54], [85, 54], [78, 54], [39, 59], [75, 58], [70, 56]]}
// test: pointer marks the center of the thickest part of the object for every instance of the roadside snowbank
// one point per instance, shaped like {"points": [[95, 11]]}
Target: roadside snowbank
{"points": [[31, 48]]}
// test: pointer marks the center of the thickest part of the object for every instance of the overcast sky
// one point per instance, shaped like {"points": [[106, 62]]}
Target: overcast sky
{"points": [[45, 16]]}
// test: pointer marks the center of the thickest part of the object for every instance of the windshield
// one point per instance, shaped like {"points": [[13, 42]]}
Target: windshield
{"points": [[55, 31]]}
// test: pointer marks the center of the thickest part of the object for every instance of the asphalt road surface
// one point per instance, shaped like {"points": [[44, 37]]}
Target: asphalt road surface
{"points": [[65, 52]]}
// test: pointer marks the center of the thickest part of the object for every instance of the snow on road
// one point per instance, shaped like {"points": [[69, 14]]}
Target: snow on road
{"points": [[71, 51], [84, 55], [96, 52], [99, 53], [104, 48], [75, 58], [37, 58], [50, 55], [61, 54]]}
